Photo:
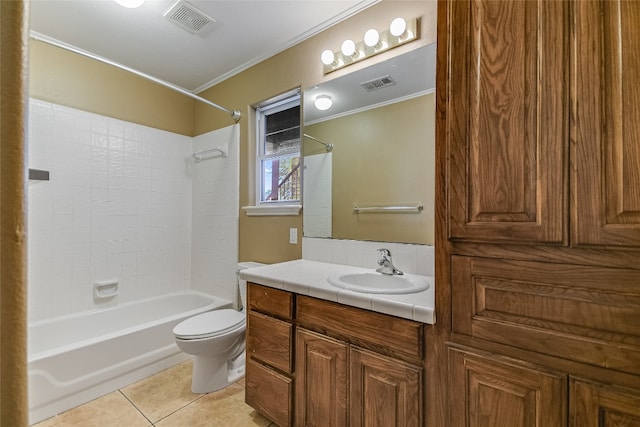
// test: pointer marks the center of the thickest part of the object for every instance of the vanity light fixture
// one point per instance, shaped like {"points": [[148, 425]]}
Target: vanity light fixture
{"points": [[130, 4], [400, 32], [348, 48], [372, 38], [323, 102], [398, 27], [327, 57]]}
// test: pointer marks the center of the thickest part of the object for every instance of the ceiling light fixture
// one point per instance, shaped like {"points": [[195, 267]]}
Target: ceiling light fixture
{"points": [[323, 102], [399, 32], [130, 4]]}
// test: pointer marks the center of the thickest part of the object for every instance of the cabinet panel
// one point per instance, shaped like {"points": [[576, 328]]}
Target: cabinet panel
{"points": [[485, 392], [269, 393], [384, 392], [606, 124], [402, 338], [270, 341], [598, 405], [321, 380], [270, 301], [506, 128], [587, 314]]}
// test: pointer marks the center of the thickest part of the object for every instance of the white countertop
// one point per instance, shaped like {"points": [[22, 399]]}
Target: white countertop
{"points": [[310, 278]]}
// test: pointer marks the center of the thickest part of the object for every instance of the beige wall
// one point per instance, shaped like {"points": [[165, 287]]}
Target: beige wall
{"points": [[266, 239], [383, 156], [62, 77]]}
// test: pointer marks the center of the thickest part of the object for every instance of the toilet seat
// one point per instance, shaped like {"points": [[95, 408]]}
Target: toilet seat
{"points": [[209, 324]]}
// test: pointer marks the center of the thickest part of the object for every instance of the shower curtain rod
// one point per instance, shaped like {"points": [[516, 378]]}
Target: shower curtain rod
{"points": [[235, 114], [329, 147]]}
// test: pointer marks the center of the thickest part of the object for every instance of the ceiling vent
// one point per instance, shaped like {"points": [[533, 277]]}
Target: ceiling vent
{"points": [[188, 17], [378, 83]]}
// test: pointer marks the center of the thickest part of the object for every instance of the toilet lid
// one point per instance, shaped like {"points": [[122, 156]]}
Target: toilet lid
{"points": [[209, 324]]}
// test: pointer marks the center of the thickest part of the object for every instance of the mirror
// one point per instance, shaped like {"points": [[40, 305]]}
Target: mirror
{"points": [[380, 170]]}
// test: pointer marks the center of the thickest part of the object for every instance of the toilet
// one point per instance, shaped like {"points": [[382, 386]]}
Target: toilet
{"points": [[217, 342]]}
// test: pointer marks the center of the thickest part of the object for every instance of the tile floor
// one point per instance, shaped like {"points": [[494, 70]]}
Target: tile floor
{"points": [[164, 400]]}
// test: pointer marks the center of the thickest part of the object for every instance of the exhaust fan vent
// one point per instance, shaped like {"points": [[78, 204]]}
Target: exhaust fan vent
{"points": [[378, 83], [188, 17]]}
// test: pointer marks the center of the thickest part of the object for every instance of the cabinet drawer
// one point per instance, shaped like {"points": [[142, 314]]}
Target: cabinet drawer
{"points": [[269, 393], [402, 338], [269, 340], [270, 301], [581, 313]]}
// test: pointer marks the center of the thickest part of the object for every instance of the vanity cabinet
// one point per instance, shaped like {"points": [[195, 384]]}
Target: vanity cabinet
{"points": [[376, 358], [538, 130], [351, 367], [269, 370]]}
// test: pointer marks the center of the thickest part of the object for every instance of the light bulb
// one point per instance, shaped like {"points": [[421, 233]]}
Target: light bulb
{"points": [[323, 102], [131, 4], [398, 27], [348, 47], [327, 57], [371, 37]]}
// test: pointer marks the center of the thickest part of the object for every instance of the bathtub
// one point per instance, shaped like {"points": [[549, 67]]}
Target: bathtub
{"points": [[77, 358]]}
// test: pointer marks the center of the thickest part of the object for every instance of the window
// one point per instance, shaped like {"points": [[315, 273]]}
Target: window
{"points": [[278, 160]]}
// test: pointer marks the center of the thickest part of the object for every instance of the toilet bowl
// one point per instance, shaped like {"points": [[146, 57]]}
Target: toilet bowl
{"points": [[217, 342]]}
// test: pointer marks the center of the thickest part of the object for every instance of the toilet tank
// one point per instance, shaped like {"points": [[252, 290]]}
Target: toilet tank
{"points": [[242, 284]]}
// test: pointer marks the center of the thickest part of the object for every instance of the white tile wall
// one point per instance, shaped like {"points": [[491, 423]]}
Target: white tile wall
{"points": [[410, 258], [117, 206], [216, 192]]}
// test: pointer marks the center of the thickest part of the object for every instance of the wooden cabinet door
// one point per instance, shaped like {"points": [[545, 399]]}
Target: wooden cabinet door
{"points": [[384, 392], [506, 125], [321, 380], [598, 405], [605, 127], [485, 392]]}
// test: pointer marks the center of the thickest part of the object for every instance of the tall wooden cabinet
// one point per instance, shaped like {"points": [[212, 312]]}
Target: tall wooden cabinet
{"points": [[539, 134], [507, 120], [605, 123]]}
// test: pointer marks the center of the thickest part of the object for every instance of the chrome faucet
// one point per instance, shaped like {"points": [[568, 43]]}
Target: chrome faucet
{"points": [[385, 263]]}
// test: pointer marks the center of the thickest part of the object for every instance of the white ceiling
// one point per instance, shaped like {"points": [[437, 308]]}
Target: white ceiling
{"points": [[245, 33]]}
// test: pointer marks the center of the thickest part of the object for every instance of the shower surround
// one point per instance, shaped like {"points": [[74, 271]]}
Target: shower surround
{"points": [[120, 205]]}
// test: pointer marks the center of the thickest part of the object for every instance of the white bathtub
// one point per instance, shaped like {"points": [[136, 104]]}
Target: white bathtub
{"points": [[77, 358]]}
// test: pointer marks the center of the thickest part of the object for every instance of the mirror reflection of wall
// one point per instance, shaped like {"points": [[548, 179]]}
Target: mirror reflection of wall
{"points": [[383, 154], [317, 188]]}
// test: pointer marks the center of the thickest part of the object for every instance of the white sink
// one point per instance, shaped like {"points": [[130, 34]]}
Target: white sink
{"points": [[378, 283]]}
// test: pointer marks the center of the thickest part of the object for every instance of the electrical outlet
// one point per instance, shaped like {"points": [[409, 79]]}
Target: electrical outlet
{"points": [[293, 236]]}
